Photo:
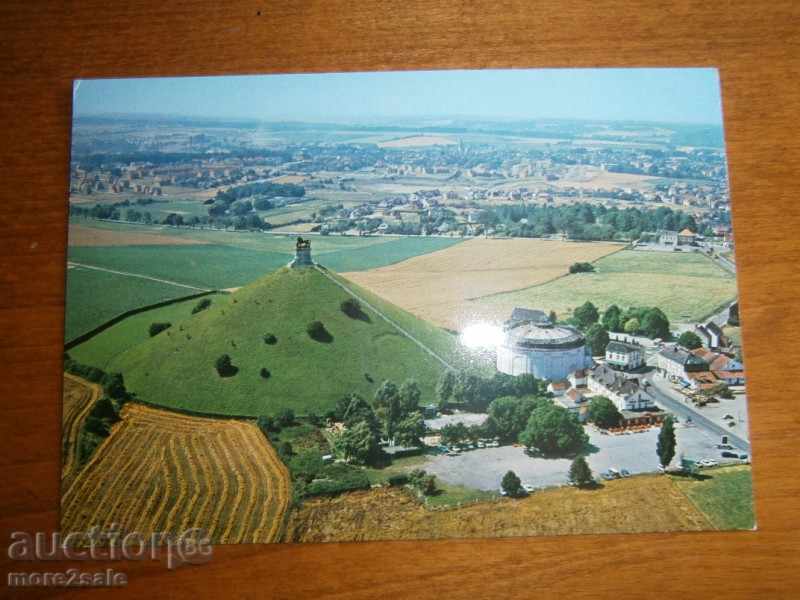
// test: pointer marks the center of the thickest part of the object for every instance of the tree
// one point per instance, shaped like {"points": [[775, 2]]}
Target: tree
{"points": [[597, 339], [360, 443], [265, 374], [357, 409], [666, 442], [453, 434], [410, 430], [316, 331], [444, 388], [553, 316], [156, 328], [286, 417], [612, 318], [202, 305], [603, 412], [266, 424], [410, 395], [553, 431], [509, 415], [690, 340], [632, 326], [467, 389], [422, 482], [114, 386], [352, 308], [586, 314], [387, 406], [270, 339], [655, 324], [224, 366], [579, 473], [512, 485]]}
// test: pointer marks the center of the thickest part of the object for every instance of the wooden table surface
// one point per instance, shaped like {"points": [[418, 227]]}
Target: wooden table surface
{"points": [[44, 45]]}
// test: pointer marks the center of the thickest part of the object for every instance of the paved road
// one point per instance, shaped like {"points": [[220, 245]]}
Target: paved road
{"points": [[140, 276], [385, 318], [663, 395]]}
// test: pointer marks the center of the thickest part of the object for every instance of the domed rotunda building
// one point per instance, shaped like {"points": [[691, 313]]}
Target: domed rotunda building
{"points": [[533, 344]]}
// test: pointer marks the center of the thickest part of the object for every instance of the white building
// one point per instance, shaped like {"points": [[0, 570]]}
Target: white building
{"points": [[625, 393], [674, 361], [533, 345], [624, 355]]}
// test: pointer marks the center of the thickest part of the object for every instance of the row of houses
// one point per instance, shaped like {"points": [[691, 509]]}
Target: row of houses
{"points": [[700, 369]]}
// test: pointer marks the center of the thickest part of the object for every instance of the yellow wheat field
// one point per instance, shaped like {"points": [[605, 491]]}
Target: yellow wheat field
{"points": [[163, 472], [437, 286], [78, 398]]}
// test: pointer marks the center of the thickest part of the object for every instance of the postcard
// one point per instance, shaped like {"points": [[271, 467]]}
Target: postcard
{"points": [[402, 305]]}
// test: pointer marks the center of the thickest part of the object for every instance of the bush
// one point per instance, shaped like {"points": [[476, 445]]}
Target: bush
{"points": [[156, 328], [285, 418], [337, 478], [316, 331], [224, 366], [267, 424], [202, 305], [397, 480], [265, 373], [269, 338], [352, 308], [581, 267]]}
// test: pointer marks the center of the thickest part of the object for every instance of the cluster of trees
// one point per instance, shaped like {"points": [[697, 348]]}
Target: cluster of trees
{"points": [[422, 482], [105, 412], [690, 340], [647, 321], [234, 200], [475, 393], [586, 221], [394, 413]]}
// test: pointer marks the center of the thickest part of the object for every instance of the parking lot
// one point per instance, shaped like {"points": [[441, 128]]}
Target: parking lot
{"points": [[484, 468]]}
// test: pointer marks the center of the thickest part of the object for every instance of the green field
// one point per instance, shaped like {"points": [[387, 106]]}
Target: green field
{"points": [[203, 265], [687, 287], [175, 369], [218, 266], [725, 497], [94, 297], [101, 349]]}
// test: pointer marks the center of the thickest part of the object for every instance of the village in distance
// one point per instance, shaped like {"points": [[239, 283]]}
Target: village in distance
{"points": [[305, 331]]}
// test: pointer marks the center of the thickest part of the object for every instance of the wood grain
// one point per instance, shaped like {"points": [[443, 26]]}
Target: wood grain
{"points": [[44, 45]]}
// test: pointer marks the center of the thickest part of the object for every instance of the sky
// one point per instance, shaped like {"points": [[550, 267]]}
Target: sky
{"points": [[665, 95]]}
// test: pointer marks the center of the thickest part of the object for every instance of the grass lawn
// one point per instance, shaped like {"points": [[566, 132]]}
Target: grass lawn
{"points": [[396, 249], [726, 497], [94, 297], [405, 464], [100, 350], [455, 495], [176, 368], [206, 265], [686, 287]]}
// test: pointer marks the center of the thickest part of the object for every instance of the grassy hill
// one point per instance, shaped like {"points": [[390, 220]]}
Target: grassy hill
{"points": [[175, 369]]}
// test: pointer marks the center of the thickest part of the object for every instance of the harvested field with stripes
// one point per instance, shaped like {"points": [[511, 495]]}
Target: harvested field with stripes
{"points": [[78, 398], [165, 472]]}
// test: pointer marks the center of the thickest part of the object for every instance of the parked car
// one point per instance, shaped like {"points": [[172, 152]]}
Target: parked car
{"points": [[528, 488], [728, 454], [724, 447], [728, 417], [707, 462], [624, 473]]}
